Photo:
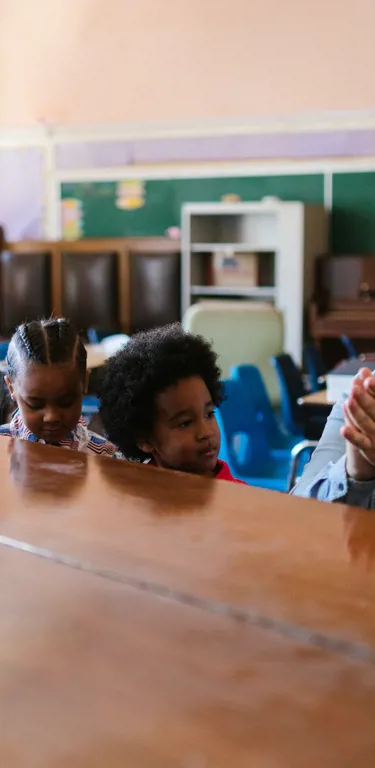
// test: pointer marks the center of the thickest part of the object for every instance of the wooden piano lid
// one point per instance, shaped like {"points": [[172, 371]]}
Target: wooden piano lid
{"points": [[159, 620]]}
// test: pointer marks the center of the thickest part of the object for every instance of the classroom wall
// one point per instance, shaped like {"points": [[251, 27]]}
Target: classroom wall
{"points": [[86, 61], [187, 90]]}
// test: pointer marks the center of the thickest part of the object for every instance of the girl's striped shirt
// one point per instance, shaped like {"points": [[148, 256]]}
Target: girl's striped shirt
{"points": [[80, 439]]}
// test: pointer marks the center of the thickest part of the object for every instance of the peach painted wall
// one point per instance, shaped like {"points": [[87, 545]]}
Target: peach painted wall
{"points": [[90, 61]]}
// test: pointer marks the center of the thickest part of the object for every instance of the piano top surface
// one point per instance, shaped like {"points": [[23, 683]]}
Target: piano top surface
{"points": [[157, 619]]}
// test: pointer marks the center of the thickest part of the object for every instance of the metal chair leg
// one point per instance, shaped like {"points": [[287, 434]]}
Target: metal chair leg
{"points": [[296, 453]]}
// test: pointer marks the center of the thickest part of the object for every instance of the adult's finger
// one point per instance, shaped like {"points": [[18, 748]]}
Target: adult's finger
{"points": [[348, 416], [364, 373], [356, 438], [361, 420], [363, 400], [358, 421], [369, 385]]}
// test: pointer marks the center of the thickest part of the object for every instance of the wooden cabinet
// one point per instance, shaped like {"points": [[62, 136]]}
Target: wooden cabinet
{"points": [[155, 280], [344, 298], [25, 289], [89, 295], [108, 284]]}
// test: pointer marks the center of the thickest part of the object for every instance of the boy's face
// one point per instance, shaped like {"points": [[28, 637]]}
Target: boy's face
{"points": [[186, 434]]}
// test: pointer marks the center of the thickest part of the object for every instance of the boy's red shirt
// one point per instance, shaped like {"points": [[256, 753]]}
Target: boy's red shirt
{"points": [[223, 472]]}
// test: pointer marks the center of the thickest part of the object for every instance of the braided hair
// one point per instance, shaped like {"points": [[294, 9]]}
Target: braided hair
{"points": [[45, 342]]}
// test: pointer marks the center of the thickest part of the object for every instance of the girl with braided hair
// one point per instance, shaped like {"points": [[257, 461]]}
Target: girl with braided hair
{"points": [[47, 378]]}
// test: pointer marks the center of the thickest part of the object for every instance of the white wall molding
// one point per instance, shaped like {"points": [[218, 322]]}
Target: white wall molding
{"points": [[325, 121], [207, 170], [304, 123]]}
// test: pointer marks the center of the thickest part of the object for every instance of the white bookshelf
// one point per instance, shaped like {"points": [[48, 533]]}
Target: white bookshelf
{"points": [[293, 234]]}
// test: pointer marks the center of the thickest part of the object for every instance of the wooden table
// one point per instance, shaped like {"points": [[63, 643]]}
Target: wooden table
{"points": [[315, 409], [95, 355], [316, 398], [157, 620]]}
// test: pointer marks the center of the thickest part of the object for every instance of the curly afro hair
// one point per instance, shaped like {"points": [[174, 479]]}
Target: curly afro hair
{"points": [[151, 362]]}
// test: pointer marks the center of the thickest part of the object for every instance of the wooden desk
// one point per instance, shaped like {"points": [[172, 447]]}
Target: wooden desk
{"points": [[315, 409], [156, 620], [95, 356], [316, 398]]}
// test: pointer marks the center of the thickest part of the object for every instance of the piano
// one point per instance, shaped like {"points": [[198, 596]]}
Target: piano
{"points": [[152, 619]]}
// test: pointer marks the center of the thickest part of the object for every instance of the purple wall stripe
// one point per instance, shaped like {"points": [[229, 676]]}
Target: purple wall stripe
{"points": [[94, 154], [21, 170], [21, 193], [271, 146]]}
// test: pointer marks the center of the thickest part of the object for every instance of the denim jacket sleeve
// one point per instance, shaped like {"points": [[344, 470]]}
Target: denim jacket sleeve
{"points": [[325, 475]]}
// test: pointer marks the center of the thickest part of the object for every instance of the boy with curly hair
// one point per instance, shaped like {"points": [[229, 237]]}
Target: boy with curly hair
{"points": [[159, 395]]}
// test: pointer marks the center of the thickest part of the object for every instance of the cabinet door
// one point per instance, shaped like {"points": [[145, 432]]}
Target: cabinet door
{"points": [[89, 290], [154, 289], [25, 288]]}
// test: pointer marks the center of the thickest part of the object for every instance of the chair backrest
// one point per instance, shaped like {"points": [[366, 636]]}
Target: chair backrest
{"points": [[252, 379], [4, 345], [315, 366], [6, 403], [244, 444], [90, 405], [241, 332], [292, 388], [349, 346], [93, 336]]}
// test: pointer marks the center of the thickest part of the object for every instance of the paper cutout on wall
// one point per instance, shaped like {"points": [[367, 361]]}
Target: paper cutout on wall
{"points": [[71, 219], [231, 198], [130, 194]]}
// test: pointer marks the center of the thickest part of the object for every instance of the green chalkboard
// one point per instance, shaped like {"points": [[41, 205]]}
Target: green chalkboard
{"points": [[164, 198], [353, 213]]}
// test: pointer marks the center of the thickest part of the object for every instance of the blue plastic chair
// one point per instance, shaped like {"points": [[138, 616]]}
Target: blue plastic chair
{"points": [[302, 422], [292, 389], [244, 444], [96, 337], [90, 406], [3, 349], [7, 405], [349, 346], [315, 367], [93, 336], [278, 439]]}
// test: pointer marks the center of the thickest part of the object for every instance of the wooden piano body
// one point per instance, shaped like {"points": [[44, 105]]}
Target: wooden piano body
{"points": [[157, 620]]}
